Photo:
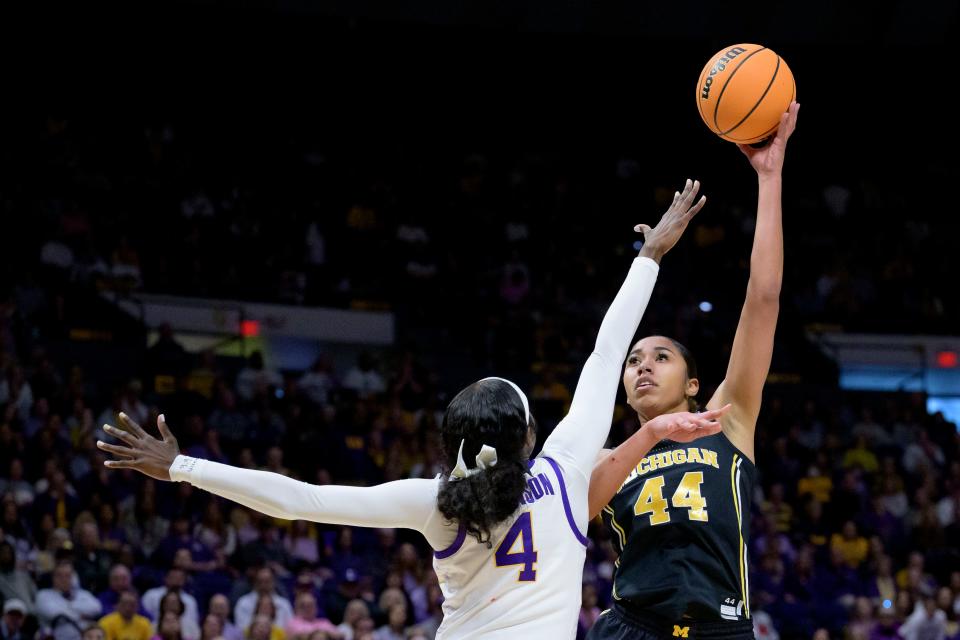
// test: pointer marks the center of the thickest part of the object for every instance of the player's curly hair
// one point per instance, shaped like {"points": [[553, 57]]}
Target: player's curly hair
{"points": [[487, 412]]}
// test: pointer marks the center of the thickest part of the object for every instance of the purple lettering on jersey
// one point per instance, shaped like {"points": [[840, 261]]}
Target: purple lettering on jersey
{"points": [[527, 556], [527, 497], [566, 503], [535, 487], [454, 547], [545, 481]]}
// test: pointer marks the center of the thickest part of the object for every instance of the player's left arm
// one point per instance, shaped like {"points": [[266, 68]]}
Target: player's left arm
{"points": [[403, 503], [752, 349]]}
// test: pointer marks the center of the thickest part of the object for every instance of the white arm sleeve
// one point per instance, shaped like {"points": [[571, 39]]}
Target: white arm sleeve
{"points": [[410, 504], [580, 435]]}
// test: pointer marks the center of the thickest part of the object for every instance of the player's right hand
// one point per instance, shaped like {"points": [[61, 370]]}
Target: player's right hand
{"points": [[661, 238], [144, 453], [684, 426]]}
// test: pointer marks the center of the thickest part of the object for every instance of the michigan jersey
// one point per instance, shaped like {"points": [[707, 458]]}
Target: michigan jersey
{"points": [[680, 523]]}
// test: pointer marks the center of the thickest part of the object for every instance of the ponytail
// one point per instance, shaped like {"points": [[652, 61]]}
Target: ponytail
{"points": [[484, 499], [489, 412]]}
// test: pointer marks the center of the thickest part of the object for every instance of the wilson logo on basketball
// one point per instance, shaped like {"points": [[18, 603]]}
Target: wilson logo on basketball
{"points": [[720, 65]]}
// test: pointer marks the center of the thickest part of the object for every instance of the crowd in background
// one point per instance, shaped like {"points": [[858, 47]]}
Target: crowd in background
{"points": [[509, 259]]}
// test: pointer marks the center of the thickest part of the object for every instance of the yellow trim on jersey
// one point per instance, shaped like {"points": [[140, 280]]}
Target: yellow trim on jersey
{"points": [[736, 506], [623, 543], [620, 532]]}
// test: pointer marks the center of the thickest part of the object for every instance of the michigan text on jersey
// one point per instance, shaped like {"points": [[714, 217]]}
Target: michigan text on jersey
{"points": [[691, 455]]}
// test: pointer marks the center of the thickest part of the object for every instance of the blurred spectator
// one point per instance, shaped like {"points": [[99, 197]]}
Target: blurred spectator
{"points": [[267, 610], [203, 378], [212, 627], [777, 510], [851, 546], [15, 485], [60, 499], [15, 583], [363, 378], [356, 616], [922, 454], [926, 621], [870, 432], [214, 533], [168, 628], [395, 629], [165, 361], [174, 583], [92, 564], [172, 603], [861, 622], [317, 383], [119, 582], [948, 508], [125, 623], [589, 611], [861, 456], [256, 379], [11, 625], [132, 406], [264, 586], [410, 567], [882, 587], [305, 620], [946, 604], [816, 483], [220, 607], [428, 627], [301, 543], [886, 626], [231, 424], [763, 628], [66, 609]]}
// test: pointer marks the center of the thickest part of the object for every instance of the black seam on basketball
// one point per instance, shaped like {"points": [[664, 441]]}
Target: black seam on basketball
{"points": [[761, 137], [716, 108], [771, 129], [762, 96]]}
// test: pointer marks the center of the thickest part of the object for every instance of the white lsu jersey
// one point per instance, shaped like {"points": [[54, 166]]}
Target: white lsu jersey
{"points": [[530, 574]]}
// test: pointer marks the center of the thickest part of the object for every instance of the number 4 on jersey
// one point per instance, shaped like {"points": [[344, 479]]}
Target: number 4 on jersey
{"points": [[522, 531]]}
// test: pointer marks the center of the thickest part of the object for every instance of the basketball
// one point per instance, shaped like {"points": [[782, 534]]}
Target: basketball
{"points": [[742, 92]]}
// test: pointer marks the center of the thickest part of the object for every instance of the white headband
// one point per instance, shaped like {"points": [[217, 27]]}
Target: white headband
{"points": [[523, 396]]}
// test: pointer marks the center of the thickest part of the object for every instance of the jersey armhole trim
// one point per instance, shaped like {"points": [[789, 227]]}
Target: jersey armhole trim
{"points": [[566, 503], [454, 546]]}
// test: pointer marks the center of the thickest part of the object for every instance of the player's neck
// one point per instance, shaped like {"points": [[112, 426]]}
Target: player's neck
{"points": [[681, 406]]}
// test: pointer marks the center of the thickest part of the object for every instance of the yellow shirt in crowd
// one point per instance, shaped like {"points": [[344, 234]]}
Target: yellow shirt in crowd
{"points": [[116, 628]]}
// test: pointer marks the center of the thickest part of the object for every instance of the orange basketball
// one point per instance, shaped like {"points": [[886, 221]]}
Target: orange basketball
{"points": [[743, 91]]}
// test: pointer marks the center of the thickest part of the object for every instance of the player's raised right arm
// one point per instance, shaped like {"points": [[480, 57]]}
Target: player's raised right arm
{"points": [[581, 434], [404, 503]]}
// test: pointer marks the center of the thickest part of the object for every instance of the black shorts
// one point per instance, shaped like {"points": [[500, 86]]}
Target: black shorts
{"points": [[619, 623]]}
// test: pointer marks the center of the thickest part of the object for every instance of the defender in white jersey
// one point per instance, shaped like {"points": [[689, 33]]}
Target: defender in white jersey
{"points": [[508, 532]]}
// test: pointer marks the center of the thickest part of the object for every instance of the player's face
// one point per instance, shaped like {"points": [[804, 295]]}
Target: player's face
{"points": [[655, 378]]}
